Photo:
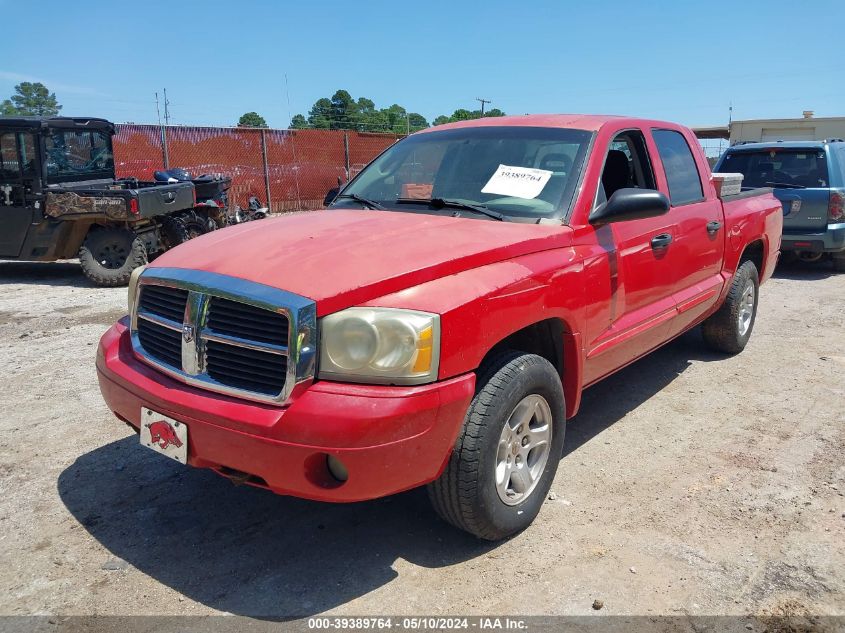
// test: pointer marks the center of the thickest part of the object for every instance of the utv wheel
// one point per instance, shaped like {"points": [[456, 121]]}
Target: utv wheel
{"points": [[194, 224], [109, 255], [729, 329], [507, 453]]}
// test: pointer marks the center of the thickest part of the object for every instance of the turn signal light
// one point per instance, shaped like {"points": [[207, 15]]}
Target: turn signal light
{"points": [[133, 206]]}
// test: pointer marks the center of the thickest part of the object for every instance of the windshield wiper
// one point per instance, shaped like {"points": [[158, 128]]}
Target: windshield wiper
{"points": [[370, 204], [785, 185], [440, 203]]}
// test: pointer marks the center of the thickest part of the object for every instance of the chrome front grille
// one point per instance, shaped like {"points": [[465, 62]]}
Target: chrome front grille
{"points": [[234, 318], [245, 368], [224, 334], [161, 343], [165, 302]]}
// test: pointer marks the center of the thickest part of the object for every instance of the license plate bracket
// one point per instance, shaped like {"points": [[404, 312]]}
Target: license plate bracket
{"points": [[164, 435]]}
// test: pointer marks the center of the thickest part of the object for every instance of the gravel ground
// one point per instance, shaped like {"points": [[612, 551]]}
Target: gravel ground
{"points": [[692, 484]]}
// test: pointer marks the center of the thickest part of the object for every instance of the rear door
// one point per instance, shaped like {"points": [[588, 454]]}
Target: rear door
{"points": [[17, 174], [699, 219], [799, 177]]}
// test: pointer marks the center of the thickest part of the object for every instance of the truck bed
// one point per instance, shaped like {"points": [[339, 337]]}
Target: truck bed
{"points": [[114, 201]]}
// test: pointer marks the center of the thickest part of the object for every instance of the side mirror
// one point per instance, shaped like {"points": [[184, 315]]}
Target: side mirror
{"points": [[330, 196], [630, 204]]}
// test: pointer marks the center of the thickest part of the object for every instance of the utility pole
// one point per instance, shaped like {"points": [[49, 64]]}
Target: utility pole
{"points": [[165, 157], [407, 124], [158, 112], [483, 101], [166, 108]]}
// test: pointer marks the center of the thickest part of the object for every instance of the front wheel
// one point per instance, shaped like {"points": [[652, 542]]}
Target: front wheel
{"points": [[109, 255], [507, 453], [729, 329]]}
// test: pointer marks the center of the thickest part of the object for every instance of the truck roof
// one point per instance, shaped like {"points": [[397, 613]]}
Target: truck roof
{"points": [[32, 122], [739, 147], [589, 122]]}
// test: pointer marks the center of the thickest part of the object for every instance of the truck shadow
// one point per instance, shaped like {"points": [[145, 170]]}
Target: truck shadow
{"points": [[43, 273], [610, 400], [804, 271], [249, 552]]}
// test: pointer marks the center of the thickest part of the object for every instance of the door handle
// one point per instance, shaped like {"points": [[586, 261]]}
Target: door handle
{"points": [[661, 241], [713, 226]]}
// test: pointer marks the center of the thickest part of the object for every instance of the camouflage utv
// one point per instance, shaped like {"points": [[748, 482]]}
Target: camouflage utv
{"points": [[59, 199]]}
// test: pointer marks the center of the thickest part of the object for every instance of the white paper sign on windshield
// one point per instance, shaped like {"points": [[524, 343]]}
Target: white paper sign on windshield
{"points": [[517, 182]]}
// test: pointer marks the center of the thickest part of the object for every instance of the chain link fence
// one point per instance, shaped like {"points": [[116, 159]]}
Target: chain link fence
{"points": [[291, 169]]}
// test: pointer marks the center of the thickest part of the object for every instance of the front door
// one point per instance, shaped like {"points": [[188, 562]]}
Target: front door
{"points": [[641, 260], [17, 174]]}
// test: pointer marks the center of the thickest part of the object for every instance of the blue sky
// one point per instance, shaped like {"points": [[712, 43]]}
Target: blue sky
{"points": [[683, 61]]}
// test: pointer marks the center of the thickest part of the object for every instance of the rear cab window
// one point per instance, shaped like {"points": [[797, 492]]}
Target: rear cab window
{"points": [[680, 167], [779, 167]]}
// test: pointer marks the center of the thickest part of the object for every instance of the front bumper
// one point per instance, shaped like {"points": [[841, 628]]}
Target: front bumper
{"points": [[831, 241], [389, 438]]}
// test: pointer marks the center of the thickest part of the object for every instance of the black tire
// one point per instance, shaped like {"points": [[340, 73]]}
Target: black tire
{"points": [[194, 224], [838, 264], [109, 255], [466, 494], [725, 331], [173, 232]]}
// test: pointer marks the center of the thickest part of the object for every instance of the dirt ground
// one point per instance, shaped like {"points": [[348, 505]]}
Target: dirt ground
{"points": [[692, 484]]}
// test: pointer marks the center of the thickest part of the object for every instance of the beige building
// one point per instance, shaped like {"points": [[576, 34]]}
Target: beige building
{"points": [[807, 128]]}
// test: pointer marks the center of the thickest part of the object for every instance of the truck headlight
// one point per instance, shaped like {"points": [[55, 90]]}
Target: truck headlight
{"points": [[133, 286], [380, 345]]}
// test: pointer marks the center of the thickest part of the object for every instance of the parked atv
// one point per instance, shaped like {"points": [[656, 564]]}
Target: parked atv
{"points": [[59, 199], [211, 210]]}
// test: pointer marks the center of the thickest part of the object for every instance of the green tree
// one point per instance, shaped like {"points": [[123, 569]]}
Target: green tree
{"points": [[31, 99], [465, 115], [252, 119], [298, 122], [320, 114], [344, 111], [417, 121]]}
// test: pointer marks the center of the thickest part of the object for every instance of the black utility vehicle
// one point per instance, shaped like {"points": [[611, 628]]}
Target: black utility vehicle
{"points": [[59, 199]]}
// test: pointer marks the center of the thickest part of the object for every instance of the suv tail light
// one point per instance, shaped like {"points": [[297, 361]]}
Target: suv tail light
{"points": [[836, 206]]}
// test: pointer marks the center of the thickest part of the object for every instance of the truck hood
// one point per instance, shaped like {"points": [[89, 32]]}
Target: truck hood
{"points": [[344, 258]]}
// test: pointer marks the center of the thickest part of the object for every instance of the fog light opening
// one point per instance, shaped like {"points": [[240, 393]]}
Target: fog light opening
{"points": [[336, 468]]}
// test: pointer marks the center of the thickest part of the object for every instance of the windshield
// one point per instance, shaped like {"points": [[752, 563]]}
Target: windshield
{"points": [[77, 155], [778, 167], [514, 171]]}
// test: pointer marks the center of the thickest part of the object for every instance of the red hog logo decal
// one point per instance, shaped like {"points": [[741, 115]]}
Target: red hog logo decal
{"points": [[163, 434]]}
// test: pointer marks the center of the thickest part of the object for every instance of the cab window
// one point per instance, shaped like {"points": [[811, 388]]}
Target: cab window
{"points": [[679, 166], [626, 165]]}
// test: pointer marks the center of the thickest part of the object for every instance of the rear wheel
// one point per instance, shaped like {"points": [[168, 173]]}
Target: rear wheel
{"points": [[194, 224], [729, 329], [506, 456], [109, 255], [839, 263]]}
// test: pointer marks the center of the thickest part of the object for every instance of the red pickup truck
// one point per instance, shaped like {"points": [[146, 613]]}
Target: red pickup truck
{"points": [[438, 323]]}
